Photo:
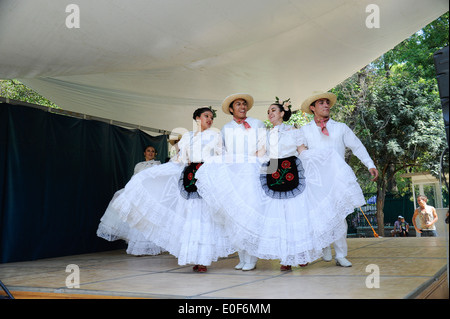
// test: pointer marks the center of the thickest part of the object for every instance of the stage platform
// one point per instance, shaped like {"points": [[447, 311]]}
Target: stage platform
{"points": [[383, 268]]}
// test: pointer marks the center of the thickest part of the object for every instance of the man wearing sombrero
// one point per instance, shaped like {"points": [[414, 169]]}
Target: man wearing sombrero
{"points": [[324, 133], [240, 137], [241, 127]]}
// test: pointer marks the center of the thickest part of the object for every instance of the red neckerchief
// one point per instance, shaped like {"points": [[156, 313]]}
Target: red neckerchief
{"points": [[323, 125], [242, 121]]}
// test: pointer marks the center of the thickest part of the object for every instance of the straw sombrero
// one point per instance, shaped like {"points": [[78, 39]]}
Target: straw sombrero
{"points": [[317, 96], [229, 99]]}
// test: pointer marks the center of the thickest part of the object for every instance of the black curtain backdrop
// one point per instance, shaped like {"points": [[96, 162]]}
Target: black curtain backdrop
{"points": [[57, 176]]}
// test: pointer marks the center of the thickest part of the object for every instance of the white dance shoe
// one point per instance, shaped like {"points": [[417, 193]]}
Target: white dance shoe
{"points": [[246, 262], [248, 267], [239, 266], [343, 262]]}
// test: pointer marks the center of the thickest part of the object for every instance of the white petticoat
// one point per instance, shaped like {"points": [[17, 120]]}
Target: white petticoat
{"points": [[112, 228], [151, 203], [294, 230]]}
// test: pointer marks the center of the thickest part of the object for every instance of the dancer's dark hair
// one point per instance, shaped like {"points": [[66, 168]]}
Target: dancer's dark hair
{"points": [[287, 113], [202, 110]]}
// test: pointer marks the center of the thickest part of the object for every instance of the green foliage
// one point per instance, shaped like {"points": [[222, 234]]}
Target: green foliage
{"points": [[403, 120], [415, 54], [15, 90], [298, 119]]}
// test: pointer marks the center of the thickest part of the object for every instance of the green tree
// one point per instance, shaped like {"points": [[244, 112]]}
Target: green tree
{"points": [[415, 54], [15, 90], [403, 127]]}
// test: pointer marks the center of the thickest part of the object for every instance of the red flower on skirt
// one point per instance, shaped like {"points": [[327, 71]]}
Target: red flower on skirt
{"points": [[190, 176], [290, 176], [276, 175], [286, 164]]}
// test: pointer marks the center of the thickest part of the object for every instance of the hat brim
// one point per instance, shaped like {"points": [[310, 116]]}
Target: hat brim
{"points": [[174, 141], [231, 98], [324, 95]]}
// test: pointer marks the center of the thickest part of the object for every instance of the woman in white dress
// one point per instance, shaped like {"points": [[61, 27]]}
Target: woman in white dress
{"points": [[112, 228], [163, 203], [288, 206]]}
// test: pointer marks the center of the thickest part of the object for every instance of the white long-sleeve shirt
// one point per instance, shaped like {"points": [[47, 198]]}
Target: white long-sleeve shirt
{"points": [[341, 136], [282, 141], [238, 140], [197, 146]]}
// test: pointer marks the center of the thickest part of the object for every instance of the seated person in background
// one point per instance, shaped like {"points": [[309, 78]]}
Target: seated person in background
{"points": [[149, 155], [401, 227]]}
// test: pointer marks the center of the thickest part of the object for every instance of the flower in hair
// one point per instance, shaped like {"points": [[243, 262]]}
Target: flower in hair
{"points": [[286, 103], [213, 111]]}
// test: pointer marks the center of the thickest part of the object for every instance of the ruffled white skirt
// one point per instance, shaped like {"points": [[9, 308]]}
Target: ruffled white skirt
{"points": [[152, 204], [112, 228], [294, 230]]}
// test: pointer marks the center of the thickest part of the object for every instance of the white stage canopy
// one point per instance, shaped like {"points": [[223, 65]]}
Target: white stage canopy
{"points": [[153, 62]]}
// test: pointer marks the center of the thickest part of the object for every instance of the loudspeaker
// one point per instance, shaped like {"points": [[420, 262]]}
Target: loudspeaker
{"points": [[441, 65]]}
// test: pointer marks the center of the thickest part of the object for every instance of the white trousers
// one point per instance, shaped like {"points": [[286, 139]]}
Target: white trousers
{"points": [[340, 245]]}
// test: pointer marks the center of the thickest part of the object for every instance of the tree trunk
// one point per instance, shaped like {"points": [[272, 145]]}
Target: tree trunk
{"points": [[391, 186], [381, 195]]}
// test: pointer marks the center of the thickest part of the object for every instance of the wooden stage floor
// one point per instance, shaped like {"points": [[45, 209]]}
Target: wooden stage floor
{"points": [[383, 268]]}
